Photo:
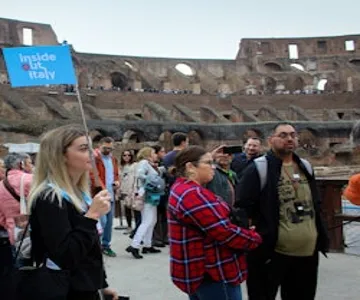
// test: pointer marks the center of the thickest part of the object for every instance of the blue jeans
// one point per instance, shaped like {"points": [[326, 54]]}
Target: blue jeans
{"points": [[107, 224], [217, 291]]}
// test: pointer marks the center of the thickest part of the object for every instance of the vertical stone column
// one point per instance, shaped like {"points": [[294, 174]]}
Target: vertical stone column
{"points": [[350, 85], [137, 85]]}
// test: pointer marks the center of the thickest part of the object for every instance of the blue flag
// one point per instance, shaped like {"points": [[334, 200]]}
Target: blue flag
{"points": [[41, 65]]}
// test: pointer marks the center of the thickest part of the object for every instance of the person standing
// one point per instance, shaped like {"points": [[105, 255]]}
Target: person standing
{"points": [[160, 238], [127, 187], [252, 150], [288, 219], [108, 173], [224, 180], [180, 141], [207, 251], [148, 208], [64, 218]]}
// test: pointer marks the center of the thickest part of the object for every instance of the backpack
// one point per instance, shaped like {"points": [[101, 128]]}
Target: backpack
{"points": [[154, 188], [261, 164]]}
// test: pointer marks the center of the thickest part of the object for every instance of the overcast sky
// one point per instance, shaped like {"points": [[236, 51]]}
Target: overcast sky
{"points": [[186, 28]]}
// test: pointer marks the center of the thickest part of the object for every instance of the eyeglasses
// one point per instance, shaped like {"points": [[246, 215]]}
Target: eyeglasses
{"points": [[284, 135]]}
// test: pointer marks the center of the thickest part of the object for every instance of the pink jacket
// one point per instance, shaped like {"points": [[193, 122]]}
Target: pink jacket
{"points": [[10, 207]]}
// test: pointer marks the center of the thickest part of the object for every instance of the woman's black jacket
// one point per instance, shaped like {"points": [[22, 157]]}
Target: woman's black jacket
{"points": [[69, 239]]}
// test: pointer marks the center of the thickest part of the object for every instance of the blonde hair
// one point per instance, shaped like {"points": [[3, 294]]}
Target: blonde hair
{"points": [[51, 168], [144, 153]]}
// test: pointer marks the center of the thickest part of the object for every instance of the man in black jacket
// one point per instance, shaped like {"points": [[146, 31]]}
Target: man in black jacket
{"points": [[252, 150], [286, 212]]}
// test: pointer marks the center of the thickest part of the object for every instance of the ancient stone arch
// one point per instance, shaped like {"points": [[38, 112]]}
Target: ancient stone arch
{"points": [[132, 136], [273, 67], [96, 136], [253, 132], [119, 80], [355, 62], [195, 138], [165, 140], [298, 84], [185, 69], [308, 140], [269, 85]]}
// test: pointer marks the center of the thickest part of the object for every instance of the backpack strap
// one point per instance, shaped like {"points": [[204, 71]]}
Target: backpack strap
{"points": [[10, 189], [261, 164]]}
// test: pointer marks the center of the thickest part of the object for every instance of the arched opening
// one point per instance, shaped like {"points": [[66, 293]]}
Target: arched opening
{"points": [[298, 67], [355, 62], [270, 85], [195, 138], [322, 84], [308, 141], [254, 133], [133, 137], [185, 70], [273, 67], [166, 141], [299, 84], [95, 136], [118, 80]]}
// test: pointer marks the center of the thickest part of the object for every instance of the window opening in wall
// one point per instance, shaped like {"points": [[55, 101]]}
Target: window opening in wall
{"points": [[185, 69], [349, 45], [226, 116], [27, 36], [293, 51], [321, 84], [298, 67], [265, 47], [340, 115], [321, 44]]}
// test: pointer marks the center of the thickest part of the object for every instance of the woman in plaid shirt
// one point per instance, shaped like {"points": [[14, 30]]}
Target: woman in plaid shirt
{"points": [[206, 250]]}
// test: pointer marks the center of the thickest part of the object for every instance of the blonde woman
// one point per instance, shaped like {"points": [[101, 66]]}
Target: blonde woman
{"points": [[144, 169], [64, 219]]}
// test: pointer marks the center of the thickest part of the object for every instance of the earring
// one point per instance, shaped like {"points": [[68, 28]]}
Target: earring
{"points": [[190, 174]]}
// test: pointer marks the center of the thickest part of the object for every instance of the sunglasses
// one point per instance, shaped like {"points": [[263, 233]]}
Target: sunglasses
{"points": [[108, 149], [126, 155]]}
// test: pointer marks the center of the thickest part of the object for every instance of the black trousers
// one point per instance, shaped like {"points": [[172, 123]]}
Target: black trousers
{"points": [[6, 268], [296, 277], [128, 215], [137, 215], [161, 228]]}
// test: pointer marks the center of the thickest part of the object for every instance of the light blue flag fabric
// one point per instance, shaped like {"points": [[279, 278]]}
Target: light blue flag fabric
{"points": [[40, 65]]}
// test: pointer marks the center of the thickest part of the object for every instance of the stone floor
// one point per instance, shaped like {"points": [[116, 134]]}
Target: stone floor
{"points": [[148, 279]]}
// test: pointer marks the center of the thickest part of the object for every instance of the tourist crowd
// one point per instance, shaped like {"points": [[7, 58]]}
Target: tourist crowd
{"points": [[228, 216]]}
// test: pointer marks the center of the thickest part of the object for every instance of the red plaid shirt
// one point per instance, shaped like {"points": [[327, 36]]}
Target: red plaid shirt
{"points": [[202, 239]]}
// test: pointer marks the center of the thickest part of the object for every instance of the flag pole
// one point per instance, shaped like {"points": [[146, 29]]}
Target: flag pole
{"points": [[91, 153]]}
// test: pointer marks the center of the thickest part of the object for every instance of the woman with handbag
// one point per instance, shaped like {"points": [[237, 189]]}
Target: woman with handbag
{"points": [[64, 221], [144, 233]]}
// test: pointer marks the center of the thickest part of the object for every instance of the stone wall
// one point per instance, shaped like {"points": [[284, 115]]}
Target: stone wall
{"points": [[262, 66]]}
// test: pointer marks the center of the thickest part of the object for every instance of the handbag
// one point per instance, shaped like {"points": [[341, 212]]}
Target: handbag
{"points": [[39, 282]]}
